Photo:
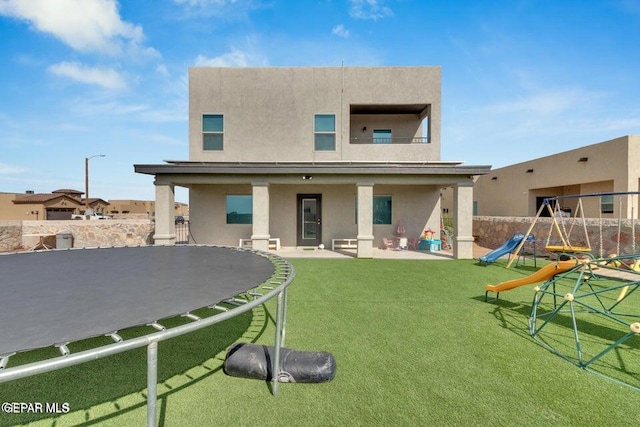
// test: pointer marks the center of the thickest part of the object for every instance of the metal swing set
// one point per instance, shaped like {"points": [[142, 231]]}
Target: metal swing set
{"points": [[559, 237]]}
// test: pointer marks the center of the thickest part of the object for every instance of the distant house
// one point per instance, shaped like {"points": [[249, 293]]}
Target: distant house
{"points": [[606, 167], [312, 154], [59, 204]]}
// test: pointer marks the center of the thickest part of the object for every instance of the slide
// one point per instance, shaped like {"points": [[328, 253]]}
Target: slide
{"points": [[544, 274], [506, 248]]}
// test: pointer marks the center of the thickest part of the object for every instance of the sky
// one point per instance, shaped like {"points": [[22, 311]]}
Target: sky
{"points": [[521, 79]]}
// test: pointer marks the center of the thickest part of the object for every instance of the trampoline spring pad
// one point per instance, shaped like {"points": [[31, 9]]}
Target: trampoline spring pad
{"points": [[255, 361]]}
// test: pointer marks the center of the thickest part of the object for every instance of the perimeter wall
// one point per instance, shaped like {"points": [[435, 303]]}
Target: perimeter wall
{"points": [[21, 235], [492, 231], [489, 232]]}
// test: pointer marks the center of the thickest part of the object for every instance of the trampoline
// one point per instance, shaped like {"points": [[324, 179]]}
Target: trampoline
{"points": [[57, 297]]}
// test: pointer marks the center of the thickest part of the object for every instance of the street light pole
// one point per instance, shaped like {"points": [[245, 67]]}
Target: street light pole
{"points": [[86, 180]]}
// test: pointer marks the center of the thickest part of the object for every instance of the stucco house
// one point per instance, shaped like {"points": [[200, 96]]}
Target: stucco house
{"points": [[605, 167], [57, 205], [306, 155]]}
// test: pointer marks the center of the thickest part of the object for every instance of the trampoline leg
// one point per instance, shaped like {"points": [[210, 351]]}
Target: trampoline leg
{"points": [[152, 382], [275, 370], [284, 318]]}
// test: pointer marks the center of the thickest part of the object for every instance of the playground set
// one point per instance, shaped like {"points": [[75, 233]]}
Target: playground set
{"points": [[590, 298]]}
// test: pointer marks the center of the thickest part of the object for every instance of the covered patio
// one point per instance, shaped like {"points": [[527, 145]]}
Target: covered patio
{"points": [[308, 204]]}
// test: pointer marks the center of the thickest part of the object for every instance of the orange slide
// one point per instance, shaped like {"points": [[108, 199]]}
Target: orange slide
{"points": [[545, 273]]}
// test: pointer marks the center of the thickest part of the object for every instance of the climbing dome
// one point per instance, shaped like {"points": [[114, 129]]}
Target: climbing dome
{"points": [[590, 316]]}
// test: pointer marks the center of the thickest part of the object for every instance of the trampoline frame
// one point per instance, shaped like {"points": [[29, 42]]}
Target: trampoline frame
{"points": [[274, 286]]}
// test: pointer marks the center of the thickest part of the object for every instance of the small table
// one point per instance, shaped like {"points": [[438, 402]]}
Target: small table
{"points": [[430, 245]]}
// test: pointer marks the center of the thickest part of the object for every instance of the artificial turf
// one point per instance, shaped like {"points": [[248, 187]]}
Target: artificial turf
{"points": [[415, 344]]}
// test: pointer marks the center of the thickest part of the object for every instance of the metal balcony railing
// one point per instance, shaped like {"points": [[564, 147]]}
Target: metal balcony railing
{"points": [[393, 140]]}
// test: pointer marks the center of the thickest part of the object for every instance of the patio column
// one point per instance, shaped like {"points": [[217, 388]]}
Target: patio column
{"points": [[165, 230], [365, 220], [260, 236], [463, 220]]}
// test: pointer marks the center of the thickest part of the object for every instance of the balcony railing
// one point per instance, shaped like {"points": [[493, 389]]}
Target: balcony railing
{"points": [[393, 140]]}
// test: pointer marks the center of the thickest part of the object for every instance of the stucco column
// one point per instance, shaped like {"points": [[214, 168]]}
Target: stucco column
{"points": [[260, 236], [165, 232], [365, 220], [463, 220]]}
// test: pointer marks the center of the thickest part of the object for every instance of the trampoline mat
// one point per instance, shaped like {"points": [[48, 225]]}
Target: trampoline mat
{"points": [[62, 296]]}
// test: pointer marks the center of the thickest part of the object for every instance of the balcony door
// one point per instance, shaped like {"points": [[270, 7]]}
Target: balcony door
{"points": [[309, 220]]}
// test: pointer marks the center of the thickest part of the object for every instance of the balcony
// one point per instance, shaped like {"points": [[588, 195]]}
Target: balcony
{"points": [[392, 140]]}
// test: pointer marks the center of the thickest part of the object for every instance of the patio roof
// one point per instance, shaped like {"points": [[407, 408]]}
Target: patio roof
{"points": [[453, 168]]}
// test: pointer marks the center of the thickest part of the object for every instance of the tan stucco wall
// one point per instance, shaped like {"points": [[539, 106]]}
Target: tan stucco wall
{"points": [[269, 112], [611, 166], [417, 207]]}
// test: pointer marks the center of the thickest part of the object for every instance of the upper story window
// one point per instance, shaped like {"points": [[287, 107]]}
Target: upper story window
{"points": [[324, 132], [212, 132], [382, 136]]}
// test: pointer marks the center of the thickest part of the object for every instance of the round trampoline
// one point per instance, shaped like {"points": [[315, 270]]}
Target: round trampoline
{"points": [[52, 298]]}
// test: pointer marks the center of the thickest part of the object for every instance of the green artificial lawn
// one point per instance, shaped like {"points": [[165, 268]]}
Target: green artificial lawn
{"points": [[415, 344]]}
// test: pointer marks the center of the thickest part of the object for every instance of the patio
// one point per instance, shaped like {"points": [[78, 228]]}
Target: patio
{"points": [[298, 252]]}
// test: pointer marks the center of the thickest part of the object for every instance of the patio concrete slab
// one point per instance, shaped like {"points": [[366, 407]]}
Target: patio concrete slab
{"points": [[293, 252]]}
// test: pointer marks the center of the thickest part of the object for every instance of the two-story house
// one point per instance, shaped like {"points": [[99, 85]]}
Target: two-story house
{"points": [[311, 154]]}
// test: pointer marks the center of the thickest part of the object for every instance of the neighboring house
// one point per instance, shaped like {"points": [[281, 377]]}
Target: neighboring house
{"points": [[611, 166], [146, 207], [59, 204], [311, 154]]}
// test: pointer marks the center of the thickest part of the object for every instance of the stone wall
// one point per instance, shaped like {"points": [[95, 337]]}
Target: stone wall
{"points": [[20, 235], [10, 235], [493, 231]]}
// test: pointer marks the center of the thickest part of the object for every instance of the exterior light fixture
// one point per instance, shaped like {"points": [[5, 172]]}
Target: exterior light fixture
{"points": [[494, 178], [307, 177], [364, 129], [583, 159], [529, 171]]}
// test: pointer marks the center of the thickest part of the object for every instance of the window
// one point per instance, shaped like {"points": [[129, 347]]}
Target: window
{"points": [[239, 209], [382, 209], [324, 132], [382, 136], [212, 132], [606, 203]]}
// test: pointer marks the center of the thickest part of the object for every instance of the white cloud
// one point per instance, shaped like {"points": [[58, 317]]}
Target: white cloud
{"points": [[547, 102], [105, 77], [6, 169], [233, 58], [162, 69], [340, 30], [84, 25], [205, 3], [369, 9]]}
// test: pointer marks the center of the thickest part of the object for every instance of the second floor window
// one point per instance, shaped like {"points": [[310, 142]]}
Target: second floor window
{"points": [[212, 132], [324, 132]]}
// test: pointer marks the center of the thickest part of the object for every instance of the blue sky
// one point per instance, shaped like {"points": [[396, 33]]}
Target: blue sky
{"points": [[521, 79]]}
